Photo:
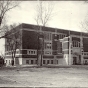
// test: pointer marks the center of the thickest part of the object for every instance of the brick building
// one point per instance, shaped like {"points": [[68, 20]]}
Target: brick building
{"points": [[44, 45]]}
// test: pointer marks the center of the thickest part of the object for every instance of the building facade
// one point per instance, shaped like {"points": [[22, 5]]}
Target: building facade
{"points": [[48, 46]]}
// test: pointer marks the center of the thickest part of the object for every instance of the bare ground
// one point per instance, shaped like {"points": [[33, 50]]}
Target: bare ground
{"points": [[44, 77]]}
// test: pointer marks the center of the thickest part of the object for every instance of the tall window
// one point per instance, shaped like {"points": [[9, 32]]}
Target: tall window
{"points": [[47, 48], [27, 61], [76, 44], [48, 45], [44, 62], [47, 36], [51, 61], [31, 61], [61, 36], [47, 61]]}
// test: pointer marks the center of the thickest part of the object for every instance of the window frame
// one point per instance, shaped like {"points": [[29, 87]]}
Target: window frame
{"points": [[27, 61]]}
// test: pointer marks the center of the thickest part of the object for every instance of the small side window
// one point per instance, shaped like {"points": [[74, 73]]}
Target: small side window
{"points": [[27, 61]]}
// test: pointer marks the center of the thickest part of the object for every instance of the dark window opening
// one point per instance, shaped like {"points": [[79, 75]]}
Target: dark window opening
{"points": [[31, 52], [31, 61], [43, 61], [51, 61], [47, 61], [27, 61]]}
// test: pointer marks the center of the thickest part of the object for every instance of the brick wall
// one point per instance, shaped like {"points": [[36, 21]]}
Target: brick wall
{"points": [[29, 40], [85, 44]]}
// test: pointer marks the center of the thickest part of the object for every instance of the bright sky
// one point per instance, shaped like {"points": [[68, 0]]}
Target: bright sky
{"points": [[66, 15]]}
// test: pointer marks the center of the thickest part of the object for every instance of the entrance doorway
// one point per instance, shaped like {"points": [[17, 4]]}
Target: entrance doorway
{"points": [[77, 60], [74, 60]]}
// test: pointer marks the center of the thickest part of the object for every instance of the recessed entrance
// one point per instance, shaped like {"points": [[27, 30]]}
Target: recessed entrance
{"points": [[74, 60], [77, 60]]}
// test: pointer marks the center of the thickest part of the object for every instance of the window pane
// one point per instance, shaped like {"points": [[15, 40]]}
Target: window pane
{"points": [[31, 61], [27, 61], [43, 61], [31, 52], [51, 61], [47, 61]]}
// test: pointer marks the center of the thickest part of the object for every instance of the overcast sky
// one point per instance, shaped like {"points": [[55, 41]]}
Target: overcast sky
{"points": [[66, 15]]}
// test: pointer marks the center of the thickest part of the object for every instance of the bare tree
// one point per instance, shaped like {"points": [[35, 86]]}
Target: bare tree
{"points": [[44, 13], [84, 24], [5, 6], [3, 31], [13, 42]]}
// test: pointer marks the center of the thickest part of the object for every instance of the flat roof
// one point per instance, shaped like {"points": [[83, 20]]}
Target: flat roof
{"points": [[32, 26]]}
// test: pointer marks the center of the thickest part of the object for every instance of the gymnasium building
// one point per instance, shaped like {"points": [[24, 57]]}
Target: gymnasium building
{"points": [[47, 46]]}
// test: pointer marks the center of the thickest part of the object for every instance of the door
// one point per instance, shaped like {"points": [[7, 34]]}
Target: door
{"points": [[74, 60]]}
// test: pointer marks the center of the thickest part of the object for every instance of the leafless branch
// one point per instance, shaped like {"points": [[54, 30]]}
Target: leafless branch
{"points": [[44, 13], [13, 40], [84, 25], [6, 6]]}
